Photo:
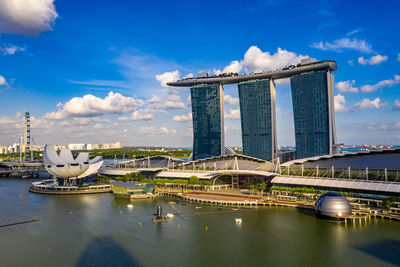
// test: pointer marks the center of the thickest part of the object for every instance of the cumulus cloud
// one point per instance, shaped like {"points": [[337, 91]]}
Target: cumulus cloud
{"points": [[87, 121], [167, 77], [340, 103], [90, 106], [6, 121], [27, 17], [171, 102], [344, 43], [375, 60], [256, 60], [154, 99], [231, 100], [183, 118], [10, 49], [385, 83], [370, 104], [2, 80], [396, 106], [138, 115], [151, 130], [346, 87], [233, 114]]}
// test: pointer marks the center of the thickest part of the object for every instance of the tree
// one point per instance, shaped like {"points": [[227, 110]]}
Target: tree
{"points": [[194, 180]]}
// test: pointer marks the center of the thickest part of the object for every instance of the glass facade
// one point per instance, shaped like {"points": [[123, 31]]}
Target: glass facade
{"points": [[257, 111], [312, 95], [208, 120]]}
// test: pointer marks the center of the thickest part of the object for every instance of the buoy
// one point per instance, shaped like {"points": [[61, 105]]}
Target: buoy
{"points": [[35, 219], [70, 213], [206, 228], [129, 206]]}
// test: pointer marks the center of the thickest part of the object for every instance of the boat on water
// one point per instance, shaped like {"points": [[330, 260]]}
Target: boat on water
{"points": [[169, 215]]}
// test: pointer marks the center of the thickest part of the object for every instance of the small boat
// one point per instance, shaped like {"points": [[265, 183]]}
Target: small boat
{"points": [[234, 208], [129, 206], [198, 207], [238, 220], [172, 202], [169, 215]]}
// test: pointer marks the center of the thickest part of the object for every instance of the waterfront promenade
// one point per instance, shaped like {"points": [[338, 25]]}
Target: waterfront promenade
{"points": [[236, 198]]}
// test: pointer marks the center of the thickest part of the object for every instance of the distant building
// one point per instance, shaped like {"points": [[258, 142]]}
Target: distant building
{"points": [[77, 147], [313, 110], [208, 120], [258, 118]]}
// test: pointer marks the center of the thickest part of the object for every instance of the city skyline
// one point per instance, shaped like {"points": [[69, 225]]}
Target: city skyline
{"points": [[79, 74]]}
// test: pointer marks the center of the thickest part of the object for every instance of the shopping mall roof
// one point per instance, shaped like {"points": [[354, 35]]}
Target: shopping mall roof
{"points": [[386, 158], [340, 184]]}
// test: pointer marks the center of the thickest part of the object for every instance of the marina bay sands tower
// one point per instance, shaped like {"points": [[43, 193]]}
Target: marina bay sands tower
{"points": [[313, 110]]}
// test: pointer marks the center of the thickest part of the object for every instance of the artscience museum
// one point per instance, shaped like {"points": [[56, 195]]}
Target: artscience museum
{"points": [[67, 170]]}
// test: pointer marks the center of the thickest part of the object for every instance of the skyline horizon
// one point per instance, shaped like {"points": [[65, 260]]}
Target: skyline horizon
{"points": [[84, 81]]}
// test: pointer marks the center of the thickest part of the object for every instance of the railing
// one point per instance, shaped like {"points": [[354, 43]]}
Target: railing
{"points": [[373, 174]]}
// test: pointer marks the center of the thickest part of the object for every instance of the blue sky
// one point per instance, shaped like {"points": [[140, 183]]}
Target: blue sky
{"points": [[95, 71]]}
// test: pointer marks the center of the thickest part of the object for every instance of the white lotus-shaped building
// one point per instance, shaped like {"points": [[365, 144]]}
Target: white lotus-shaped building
{"points": [[63, 165]]}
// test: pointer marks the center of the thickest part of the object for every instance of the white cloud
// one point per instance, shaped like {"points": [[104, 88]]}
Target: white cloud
{"points": [[375, 60], [27, 17], [90, 106], [368, 103], [350, 62], [189, 75], [340, 103], [87, 121], [6, 121], [346, 87], [256, 60], [10, 49], [2, 80], [138, 115], [97, 126], [231, 100], [173, 102], [385, 83], [234, 114], [396, 106], [154, 99], [151, 130], [353, 32], [344, 43], [183, 118], [166, 77]]}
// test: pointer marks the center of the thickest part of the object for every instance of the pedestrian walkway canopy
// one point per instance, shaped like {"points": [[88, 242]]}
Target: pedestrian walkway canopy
{"points": [[365, 186]]}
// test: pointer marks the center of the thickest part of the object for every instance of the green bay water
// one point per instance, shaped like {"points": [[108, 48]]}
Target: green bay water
{"points": [[97, 230]]}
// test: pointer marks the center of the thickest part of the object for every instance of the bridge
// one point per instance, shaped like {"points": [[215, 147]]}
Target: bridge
{"points": [[21, 168]]}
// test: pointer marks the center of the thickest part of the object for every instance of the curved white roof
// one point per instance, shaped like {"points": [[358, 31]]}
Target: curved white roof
{"points": [[63, 165]]}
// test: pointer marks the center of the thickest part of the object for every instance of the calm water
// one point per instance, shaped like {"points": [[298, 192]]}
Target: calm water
{"points": [[103, 232]]}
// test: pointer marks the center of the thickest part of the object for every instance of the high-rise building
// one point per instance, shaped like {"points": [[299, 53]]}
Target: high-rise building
{"points": [[208, 120], [313, 110], [258, 118]]}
